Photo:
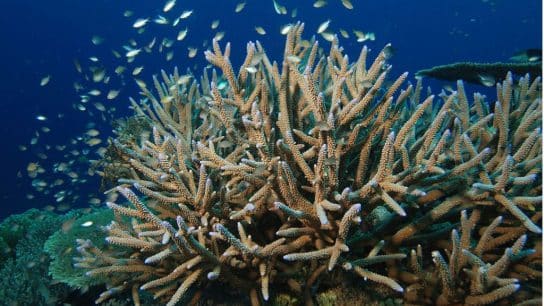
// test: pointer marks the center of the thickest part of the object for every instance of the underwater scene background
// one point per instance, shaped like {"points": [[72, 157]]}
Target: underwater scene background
{"points": [[274, 202]]}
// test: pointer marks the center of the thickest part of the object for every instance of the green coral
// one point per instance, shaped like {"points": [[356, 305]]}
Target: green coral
{"points": [[61, 246], [13, 229], [24, 274]]}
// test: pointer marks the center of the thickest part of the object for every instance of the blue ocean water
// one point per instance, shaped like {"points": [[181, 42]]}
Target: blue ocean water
{"points": [[41, 38]]}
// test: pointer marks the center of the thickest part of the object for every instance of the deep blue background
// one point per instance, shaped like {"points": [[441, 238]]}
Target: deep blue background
{"points": [[43, 37]]}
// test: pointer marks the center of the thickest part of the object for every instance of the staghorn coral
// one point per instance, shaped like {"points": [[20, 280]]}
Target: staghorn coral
{"points": [[314, 173], [481, 284]]}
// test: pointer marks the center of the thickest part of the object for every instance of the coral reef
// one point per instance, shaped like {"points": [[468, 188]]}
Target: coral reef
{"points": [[296, 178], [24, 265]]}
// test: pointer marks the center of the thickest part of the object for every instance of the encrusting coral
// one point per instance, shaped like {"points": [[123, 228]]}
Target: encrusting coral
{"points": [[313, 173]]}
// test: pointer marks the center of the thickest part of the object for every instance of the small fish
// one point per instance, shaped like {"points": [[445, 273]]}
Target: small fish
{"points": [[260, 30], [97, 40], [239, 7], [120, 69], [39, 183], [370, 36], [169, 55], [168, 5], [185, 14], [78, 66], [98, 74], [322, 126], [347, 4], [362, 37], [176, 22], [133, 53], [367, 84], [45, 80], [89, 223], [167, 42], [320, 3], [77, 86], [93, 142], [94, 92], [388, 51], [160, 20], [101, 151], [92, 133], [41, 118], [214, 24], [192, 52], [49, 208], [99, 106], [278, 8], [221, 85], [137, 70], [487, 80], [219, 35], [449, 88], [184, 79], [32, 167], [140, 22], [152, 43], [128, 13], [62, 167], [323, 26], [140, 83], [67, 225], [167, 99], [251, 69], [344, 33], [529, 55], [285, 29], [328, 36], [293, 59], [182, 34], [359, 34]]}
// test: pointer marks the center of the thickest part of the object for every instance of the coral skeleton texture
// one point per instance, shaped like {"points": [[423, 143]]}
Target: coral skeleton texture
{"points": [[299, 176]]}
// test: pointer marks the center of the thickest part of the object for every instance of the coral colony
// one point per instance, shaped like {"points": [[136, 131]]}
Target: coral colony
{"points": [[293, 178]]}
